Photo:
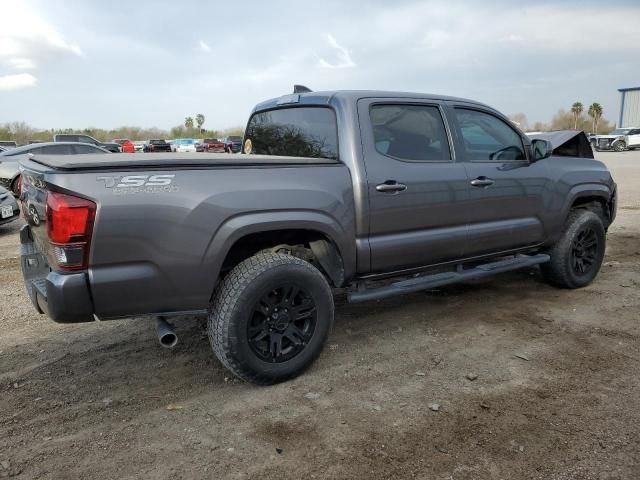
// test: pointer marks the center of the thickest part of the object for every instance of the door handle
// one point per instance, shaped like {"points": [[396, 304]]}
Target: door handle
{"points": [[391, 186], [482, 182]]}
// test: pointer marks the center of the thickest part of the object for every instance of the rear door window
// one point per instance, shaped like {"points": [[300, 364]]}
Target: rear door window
{"points": [[57, 150], [410, 132], [487, 138], [293, 132], [86, 149]]}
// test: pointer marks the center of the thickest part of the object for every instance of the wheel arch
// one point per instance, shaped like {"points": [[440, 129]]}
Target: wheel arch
{"points": [[244, 235]]}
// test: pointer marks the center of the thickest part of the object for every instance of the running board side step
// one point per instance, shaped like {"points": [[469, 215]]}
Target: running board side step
{"points": [[427, 282]]}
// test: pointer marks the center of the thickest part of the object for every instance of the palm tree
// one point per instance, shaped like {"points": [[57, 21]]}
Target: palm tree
{"points": [[199, 121], [595, 112], [576, 109], [188, 123]]}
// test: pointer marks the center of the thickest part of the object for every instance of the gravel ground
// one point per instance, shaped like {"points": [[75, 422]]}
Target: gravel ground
{"points": [[557, 392]]}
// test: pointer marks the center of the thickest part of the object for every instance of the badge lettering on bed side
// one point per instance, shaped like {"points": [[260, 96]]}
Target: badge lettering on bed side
{"points": [[139, 183]]}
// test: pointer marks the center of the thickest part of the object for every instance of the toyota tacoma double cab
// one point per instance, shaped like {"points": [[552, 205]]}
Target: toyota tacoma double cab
{"points": [[373, 193]]}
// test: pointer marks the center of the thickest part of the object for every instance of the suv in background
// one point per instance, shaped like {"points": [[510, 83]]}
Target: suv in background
{"points": [[81, 138], [232, 144], [157, 145]]}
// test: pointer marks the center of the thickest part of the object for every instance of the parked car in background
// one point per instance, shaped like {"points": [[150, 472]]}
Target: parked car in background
{"points": [[184, 145], [232, 144], [620, 139], [8, 144], [211, 145], [9, 210], [157, 145], [80, 138], [10, 170], [139, 145], [126, 145]]}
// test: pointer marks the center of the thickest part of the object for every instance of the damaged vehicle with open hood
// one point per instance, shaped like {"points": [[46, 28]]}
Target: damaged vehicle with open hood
{"points": [[619, 140], [566, 143]]}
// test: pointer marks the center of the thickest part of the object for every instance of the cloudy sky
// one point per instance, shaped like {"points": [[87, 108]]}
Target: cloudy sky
{"points": [[151, 63]]}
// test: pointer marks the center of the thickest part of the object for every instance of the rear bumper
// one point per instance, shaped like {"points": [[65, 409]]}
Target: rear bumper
{"points": [[65, 298]]}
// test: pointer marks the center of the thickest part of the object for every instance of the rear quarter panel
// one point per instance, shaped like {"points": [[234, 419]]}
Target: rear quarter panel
{"points": [[161, 250]]}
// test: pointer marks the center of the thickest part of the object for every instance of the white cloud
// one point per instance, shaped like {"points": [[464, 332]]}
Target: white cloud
{"points": [[20, 63], [26, 39], [342, 54], [204, 47], [17, 81]]}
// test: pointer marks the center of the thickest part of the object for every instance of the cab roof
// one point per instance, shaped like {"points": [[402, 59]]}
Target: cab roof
{"points": [[351, 96]]}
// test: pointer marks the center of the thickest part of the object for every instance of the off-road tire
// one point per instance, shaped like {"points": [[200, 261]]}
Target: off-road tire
{"points": [[560, 270], [619, 146], [233, 304]]}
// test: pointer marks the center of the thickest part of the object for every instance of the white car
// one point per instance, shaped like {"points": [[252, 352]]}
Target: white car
{"points": [[184, 145], [139, 145]]}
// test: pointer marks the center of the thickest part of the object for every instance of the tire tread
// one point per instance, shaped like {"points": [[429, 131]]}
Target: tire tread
{"points": [[225, 301]]}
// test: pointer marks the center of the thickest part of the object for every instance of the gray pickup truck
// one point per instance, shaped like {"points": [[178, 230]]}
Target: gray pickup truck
{"points": [[376, 193]]}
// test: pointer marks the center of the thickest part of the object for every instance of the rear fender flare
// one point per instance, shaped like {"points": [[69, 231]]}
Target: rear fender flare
{"points": [[242, 225]]}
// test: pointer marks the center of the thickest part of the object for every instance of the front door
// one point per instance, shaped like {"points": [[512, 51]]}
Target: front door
{"points": [[417, 190], [506, 190], [634, 138]]}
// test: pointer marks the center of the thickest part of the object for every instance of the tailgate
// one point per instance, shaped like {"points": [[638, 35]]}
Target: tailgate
{"points": [[64, 296]]}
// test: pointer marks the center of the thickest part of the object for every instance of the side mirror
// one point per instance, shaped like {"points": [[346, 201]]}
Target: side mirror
{"points": [[541, 149]]}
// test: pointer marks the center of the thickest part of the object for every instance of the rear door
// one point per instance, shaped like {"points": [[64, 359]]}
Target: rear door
{"points": [[417, 189], [506, 191]]}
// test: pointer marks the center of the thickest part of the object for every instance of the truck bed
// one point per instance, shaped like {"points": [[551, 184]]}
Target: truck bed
{"points": [[131, 161]]}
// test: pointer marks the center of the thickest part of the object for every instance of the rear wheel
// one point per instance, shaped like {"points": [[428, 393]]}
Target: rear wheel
{"points": [[270, 317], [577, 256]]}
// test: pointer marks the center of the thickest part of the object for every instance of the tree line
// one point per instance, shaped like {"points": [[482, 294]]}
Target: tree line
{"points": [[575, 118], [23, 133]]}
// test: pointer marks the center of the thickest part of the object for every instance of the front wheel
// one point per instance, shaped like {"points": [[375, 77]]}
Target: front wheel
{"points": [[577, 256], [619, 147], [270, 317]]}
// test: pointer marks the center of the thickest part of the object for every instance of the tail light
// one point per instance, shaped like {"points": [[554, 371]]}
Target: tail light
{"points": [[69, 227]]}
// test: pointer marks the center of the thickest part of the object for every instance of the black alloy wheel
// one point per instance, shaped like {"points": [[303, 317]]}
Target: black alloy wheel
{"points": [[282, 323], [584, 250]]}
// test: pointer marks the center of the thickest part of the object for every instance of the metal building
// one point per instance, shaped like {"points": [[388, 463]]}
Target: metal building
{"points": [[629, 107]]}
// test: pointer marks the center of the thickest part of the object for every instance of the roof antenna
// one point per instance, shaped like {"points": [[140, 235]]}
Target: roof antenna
{"points": [[301, 89]]}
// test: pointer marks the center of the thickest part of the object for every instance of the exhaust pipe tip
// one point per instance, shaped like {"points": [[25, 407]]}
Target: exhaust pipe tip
{"points": [[166, 335]]}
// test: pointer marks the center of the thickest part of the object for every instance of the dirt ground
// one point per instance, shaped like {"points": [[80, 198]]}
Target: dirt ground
{"points": [[557, 394]]}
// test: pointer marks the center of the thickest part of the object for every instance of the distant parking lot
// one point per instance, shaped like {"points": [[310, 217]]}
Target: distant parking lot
{"points": [[503, 378]]}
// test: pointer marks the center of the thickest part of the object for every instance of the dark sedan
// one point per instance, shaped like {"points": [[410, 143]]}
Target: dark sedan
{"points": [[9, 209]]}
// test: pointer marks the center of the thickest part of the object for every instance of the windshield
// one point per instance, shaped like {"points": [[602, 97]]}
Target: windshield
{"points": [[235, 139], [294, 132], [185, 141], [157, 142], [620, 131]]}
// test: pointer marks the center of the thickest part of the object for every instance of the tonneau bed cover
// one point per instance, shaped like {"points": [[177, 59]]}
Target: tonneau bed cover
{"points": [[128, 161]]}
